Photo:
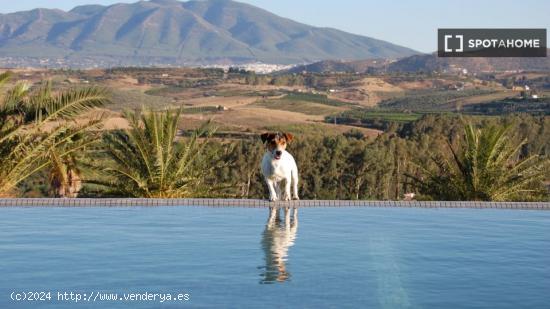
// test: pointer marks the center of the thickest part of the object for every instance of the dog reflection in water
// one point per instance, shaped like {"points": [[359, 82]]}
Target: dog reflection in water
{"points": [[279, 235]]}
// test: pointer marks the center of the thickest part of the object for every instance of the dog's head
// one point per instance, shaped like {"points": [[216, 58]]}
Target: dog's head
{"points": [[276, 143]]}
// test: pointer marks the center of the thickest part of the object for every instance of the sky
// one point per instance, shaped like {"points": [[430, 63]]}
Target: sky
{"points": [[409, 23]]}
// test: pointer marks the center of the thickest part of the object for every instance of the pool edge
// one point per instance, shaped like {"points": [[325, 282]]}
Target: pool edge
{"points": [[256, 203]]}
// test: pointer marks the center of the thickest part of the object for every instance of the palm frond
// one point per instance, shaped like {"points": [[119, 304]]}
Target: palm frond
{"points": [[31, 130], [485, 167], [4, 77], [147, 161], [75, 102]]}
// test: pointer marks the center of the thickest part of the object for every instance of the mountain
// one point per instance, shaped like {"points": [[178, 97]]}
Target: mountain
{"points": [[174, 32], [431, 62]]}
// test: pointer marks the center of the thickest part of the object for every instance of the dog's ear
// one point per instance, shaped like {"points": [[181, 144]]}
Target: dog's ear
{"points": [[265, 137], [289, 137]]}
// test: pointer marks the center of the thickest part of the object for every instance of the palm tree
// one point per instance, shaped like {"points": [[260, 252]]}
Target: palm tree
{"points": [[487, 168], [64, 175], [35, 123], [146, 161]]}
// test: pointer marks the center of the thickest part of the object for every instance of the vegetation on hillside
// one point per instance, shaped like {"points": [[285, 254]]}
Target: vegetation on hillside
{"points": [[48, 149], [345, 166], [371, 118], [534, 107], [429, 100], [486, 167]]}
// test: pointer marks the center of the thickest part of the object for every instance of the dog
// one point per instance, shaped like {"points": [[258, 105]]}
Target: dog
{"points": [[279, 166], [278, 237]]}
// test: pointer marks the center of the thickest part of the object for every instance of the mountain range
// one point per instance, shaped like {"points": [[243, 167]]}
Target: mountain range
{"points": [[179, 33]]}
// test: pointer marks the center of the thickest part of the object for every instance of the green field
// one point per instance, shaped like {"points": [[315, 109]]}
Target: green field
{"points": [[368, 114], [248, 93], [374, 119], [429, 100]]}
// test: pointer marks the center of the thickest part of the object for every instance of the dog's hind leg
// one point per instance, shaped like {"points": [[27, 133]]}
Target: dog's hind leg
{"points": [[294, 225], [286, 194], [287, 218], [295, 184]]}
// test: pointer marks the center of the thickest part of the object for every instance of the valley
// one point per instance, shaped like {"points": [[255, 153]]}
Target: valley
{"points": [[241, 102]]}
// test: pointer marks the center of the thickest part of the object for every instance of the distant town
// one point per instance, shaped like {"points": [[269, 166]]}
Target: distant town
{"points": [[95, 63]]}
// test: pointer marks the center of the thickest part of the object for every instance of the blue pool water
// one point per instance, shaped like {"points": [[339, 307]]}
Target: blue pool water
{"points": [[237, 258]]}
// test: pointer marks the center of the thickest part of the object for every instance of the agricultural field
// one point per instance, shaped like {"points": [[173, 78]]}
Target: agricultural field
{"points": [[431, 101], [375, 119], [240, 102]]}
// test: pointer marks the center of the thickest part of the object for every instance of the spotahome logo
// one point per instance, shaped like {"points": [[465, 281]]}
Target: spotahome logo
{"points": [[491, 42]]}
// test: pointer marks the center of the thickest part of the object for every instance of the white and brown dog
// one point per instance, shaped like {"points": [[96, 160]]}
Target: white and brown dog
{"points": [[278, 166], [278, 237]]}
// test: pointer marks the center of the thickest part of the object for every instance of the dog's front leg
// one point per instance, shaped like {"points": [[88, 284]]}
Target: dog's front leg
{"points": [[287, 218], [272, 216], [272, 193], [277, 186]]}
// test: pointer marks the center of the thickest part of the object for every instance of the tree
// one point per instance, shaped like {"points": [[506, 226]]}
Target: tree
{"points": [[64, 175], [486, 168], [147, 161], [35, 123]]}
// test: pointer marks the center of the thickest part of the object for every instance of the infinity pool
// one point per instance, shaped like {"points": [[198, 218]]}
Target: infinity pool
{"points": [[243, 258]]}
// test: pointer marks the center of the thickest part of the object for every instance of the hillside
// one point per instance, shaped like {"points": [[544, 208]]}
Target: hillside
{"points": [[430, 62], [174, 32], [340, 66], [427, 63]]}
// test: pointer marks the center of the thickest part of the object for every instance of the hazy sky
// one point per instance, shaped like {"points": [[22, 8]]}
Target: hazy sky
{"points": [[406, 22]]}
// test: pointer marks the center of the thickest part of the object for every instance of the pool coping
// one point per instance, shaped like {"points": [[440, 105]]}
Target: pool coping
{"points": [[256, 203]]}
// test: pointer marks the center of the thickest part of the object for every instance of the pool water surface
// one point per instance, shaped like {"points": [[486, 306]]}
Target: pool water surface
{"points": [[245, 258]]}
